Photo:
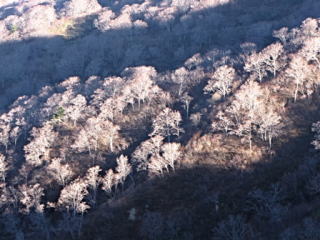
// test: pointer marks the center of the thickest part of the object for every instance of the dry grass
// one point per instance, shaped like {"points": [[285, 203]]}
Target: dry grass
{"points": [[221, 150], [66, 27]]}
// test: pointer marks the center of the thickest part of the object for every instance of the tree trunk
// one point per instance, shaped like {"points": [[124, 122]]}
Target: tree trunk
{"points": [[111, 144], [260, 75], [180, 88], [296, 93], [270, 141]]}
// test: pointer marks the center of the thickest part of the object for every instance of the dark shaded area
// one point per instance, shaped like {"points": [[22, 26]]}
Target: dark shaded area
{"points": [[183, 205], [7, 10]]}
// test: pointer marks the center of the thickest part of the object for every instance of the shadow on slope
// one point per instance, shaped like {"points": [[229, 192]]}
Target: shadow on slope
{"points": [[188, 203], [29, 64]]}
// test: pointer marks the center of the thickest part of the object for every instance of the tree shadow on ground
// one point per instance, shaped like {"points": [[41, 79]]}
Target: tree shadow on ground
{"points": [[190, 193]]}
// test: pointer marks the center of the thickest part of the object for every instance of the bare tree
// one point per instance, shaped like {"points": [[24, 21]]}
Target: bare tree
{"points": [[221, 81], [186, 100], [298, 72], [145, 151], [79, 8], [167, 123], [112, 133], [311, 50], [256, 63], [316, 128], [108, 181], [270, 125], [3, 167], [282, 34], [111, 107], [92, 180], [4, 134], [99, 133], [248, 115], [31, 198], [123, 168], [171, 154], [267, 204], [84, 142], [38, 149], [222, 122], [15, 133], [233, 228], [76, 108], [141, 82], [273, 53], [72, 197], [61, 172], [157, 164], [181, 77]]}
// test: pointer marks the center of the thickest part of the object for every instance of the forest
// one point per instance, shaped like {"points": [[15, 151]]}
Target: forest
{"points": [[159, 119]]}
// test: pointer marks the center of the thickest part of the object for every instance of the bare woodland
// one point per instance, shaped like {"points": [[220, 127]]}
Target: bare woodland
{"points": [[156, 120]]}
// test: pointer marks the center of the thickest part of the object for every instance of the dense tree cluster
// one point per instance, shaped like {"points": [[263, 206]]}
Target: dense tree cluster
{"points": [[46, 41], [120, 144]]}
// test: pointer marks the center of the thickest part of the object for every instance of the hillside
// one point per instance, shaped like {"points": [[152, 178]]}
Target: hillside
{"points": [[170, 119]]}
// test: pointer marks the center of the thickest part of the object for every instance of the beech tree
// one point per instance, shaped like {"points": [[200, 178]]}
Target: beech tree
{"points": [[181, 77], [99, 133], [273, 53], [38, 149], [15, 133], [222, 122], [267, 204], [84, 141], [186, 100], [59, 171], [167, 123], [270, 125], [310, 27], [3, 167], [72, 204], [111, 108], [108, 181], [92, 180], [103, 20], [232, 228], [246, 109], [146, 150], [4, 134], [221, 80], [31, 198], [316, 128], [72, 197], [78, 8], [76, 108], [248, 115], [311, 50], [112, 133], [164, 160], [282, 34], [157, 164], [123, 169], [298, 72], [171, 154], [141, 82], [256, 63]]}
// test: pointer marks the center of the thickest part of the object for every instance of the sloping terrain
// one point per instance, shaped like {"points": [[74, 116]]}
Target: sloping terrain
{"points": [[159, 119]]}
